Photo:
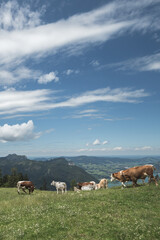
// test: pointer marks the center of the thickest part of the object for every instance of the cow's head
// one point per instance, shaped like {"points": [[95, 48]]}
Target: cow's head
{"points": [[113, 177], [52, 183], [32, 188]]}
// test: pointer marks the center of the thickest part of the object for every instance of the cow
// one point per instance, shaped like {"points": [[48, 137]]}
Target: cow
{"points": [[60, 186], [133, 174], [102, 184], [86, 185], [25, 185]]}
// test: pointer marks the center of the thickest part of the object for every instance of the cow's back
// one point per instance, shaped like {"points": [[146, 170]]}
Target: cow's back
{"points": [[139, 171]]}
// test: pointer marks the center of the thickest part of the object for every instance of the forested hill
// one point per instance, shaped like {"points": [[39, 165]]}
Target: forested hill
{"points": [[43, 172]]}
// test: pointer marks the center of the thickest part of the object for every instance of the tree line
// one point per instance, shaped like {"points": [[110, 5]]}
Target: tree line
{"points": [[12, 179]]}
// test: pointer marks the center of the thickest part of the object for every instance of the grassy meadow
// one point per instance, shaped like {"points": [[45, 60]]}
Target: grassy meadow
{"points": [[112, 214]]}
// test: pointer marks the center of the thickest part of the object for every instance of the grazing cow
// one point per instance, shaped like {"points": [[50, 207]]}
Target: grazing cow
{"points": [[86, 185], [102, 184], [60, 186], [133, 174], [25, 185]]}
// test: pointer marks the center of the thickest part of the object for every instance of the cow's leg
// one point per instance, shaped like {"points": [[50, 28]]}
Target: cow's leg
{"points": [[153, 179], [23, 188], [123, 185], [57, 190], [143, 181], [134, 181], [18, 190]]}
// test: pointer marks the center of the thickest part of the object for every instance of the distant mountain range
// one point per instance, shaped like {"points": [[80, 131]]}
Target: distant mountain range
{"points": [[44, 172]]}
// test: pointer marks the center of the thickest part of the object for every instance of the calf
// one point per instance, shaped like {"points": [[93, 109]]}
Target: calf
{"points": [[134, 173], [60, 186], [25, 185], [102, 184]]}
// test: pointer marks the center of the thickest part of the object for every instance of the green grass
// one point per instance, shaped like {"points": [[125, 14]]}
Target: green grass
{"points": [[112, 214]]}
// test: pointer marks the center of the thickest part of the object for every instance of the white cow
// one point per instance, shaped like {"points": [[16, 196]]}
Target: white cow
{"points": [[60, 186]]}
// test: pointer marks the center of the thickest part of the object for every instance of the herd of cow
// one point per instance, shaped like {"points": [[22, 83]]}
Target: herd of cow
{"points": [[130, 174]]}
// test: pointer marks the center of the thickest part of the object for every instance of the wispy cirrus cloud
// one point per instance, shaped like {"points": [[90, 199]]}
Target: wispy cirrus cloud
{"points": [[144, 148], [88, 113], [16, 17], [146, 63], [10, 76], [20, 26], [18, 132], [96, 26], [13, 102], [87, 150]]}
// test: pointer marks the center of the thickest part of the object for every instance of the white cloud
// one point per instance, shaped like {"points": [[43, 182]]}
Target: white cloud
{"points": [[92, 150], [18, 132], [46, 78], [105, 142], [12, 76], [13, 102], [96, 26], [16, 17], [71, 71], [95, 63], [143, 148], [23, 35], [117, 149], [96, 142]]}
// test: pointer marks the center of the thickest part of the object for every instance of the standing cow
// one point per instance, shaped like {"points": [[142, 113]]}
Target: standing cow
{"points": [[133, 174], [25, 185], [60, 186]]}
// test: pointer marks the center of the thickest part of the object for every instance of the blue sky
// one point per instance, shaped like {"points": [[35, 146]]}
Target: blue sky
{"points": [[80, 77]]}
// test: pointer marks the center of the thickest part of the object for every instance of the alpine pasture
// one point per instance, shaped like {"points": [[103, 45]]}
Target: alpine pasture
{"points": [[109, 214]]}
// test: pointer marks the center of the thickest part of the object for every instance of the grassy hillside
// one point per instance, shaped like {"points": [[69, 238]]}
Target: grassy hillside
{"points": [[111, 214]]}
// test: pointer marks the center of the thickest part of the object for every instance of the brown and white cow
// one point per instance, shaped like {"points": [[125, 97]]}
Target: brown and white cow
{"points": [[86, 185], [25, 185], [133, 174]]}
